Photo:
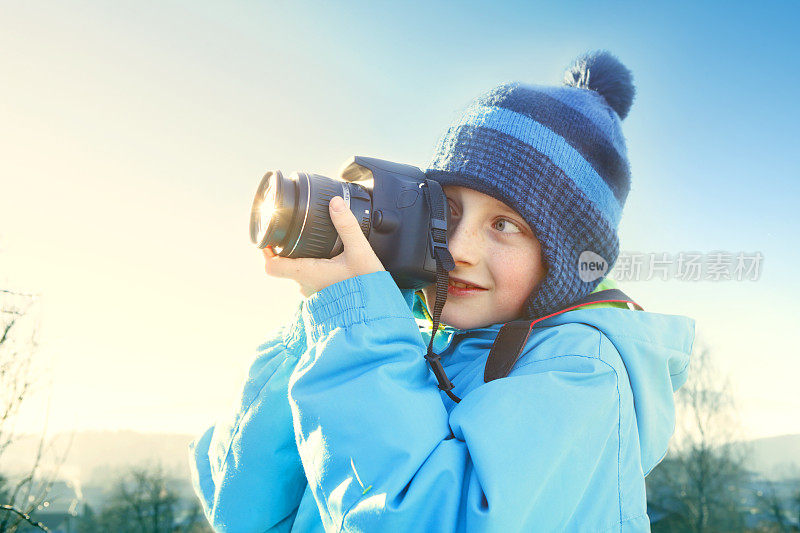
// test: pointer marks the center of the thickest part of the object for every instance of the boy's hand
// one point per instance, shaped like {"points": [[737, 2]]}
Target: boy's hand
{"points": [[315, 274]]}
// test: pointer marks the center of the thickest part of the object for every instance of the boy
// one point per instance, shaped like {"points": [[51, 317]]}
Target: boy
{"points": [[341, 425]]}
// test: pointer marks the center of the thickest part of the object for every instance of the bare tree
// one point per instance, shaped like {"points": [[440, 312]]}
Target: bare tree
{"points": [[699, 486], [142, 501], [773, 506], [778, 500], [21, 494]]}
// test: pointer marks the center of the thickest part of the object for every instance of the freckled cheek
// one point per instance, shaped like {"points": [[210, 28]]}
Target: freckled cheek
{"points": [[511, 273]]}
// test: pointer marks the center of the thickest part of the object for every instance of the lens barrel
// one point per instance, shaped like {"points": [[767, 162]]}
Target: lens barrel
{"points": [[291, 214]]}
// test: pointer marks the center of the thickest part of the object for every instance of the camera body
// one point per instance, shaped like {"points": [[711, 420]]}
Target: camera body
{"points": [[400, 220], [388, 199]]}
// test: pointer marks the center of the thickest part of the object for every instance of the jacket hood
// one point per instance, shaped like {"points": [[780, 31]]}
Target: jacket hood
{"points": [[654, 348]]}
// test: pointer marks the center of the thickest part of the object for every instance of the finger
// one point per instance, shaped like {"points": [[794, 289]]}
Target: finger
{"points": [[268, 252], [293, 268], [346, 225]]}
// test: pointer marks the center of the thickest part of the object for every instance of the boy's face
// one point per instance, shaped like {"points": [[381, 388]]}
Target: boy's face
{"points": [[494, 248]]}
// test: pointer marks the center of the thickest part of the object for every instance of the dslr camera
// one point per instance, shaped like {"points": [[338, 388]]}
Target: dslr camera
{"points": [[402, 213]]}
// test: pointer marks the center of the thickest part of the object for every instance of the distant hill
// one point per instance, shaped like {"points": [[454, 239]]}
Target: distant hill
{"points": [[775, 457], [96, 456]]}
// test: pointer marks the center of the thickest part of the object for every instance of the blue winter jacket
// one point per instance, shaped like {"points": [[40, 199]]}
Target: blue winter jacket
{"points": [[340, 425]]}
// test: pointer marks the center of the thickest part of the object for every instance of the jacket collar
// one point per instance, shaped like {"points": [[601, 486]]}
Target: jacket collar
{"points": [[419, 308]]}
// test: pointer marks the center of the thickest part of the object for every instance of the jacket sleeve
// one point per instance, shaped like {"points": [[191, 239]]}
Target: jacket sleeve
{"points": [[538, 450], [245, 468]]}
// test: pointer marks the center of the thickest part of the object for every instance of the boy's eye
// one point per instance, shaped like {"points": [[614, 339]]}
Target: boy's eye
{"points": [[505, 224], [450, 208]]}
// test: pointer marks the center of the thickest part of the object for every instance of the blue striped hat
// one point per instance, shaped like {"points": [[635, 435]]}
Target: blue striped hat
{"points": [[557, 156]]}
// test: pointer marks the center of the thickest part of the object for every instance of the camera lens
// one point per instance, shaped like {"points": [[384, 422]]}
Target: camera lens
{"points": [[291, 215], [268, 216]]}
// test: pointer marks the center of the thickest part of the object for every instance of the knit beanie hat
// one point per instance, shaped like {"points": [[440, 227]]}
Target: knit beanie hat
{"points": [[557, 156]]}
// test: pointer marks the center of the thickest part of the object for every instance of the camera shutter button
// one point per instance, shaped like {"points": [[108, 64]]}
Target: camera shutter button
{"points": [[385, 222], [377, 219]]}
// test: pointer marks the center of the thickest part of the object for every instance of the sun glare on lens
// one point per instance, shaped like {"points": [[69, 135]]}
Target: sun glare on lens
{"points": [[267, 208], [265, 212]]}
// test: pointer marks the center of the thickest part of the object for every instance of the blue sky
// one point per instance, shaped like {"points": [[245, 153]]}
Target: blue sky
{"points": [[133, 135]]}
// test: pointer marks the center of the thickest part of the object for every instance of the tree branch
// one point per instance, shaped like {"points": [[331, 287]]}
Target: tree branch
{"points": [[24, 517]]}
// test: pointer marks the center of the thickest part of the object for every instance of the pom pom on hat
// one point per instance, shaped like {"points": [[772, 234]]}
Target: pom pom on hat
{"points": [[602, 72]]}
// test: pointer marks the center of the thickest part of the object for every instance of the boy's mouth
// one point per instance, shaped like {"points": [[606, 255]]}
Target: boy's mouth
{"points": [[460, 287]]}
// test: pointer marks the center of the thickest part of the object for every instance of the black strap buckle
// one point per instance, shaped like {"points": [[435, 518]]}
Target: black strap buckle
{"points": [[437, 233], [438, 371]]}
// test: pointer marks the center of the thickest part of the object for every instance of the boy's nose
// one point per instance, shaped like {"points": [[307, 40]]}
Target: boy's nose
{"points": [[464, 244]]}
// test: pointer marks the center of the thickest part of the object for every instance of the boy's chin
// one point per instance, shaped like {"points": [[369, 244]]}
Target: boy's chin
{"points": [[459, 321], [462, 317]]}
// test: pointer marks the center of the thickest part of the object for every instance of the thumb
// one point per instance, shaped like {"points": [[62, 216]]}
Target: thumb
{"points": [[346, 224]]}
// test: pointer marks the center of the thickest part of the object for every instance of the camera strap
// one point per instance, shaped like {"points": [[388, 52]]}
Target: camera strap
{"points": [[513, 336], [437, 203]]}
